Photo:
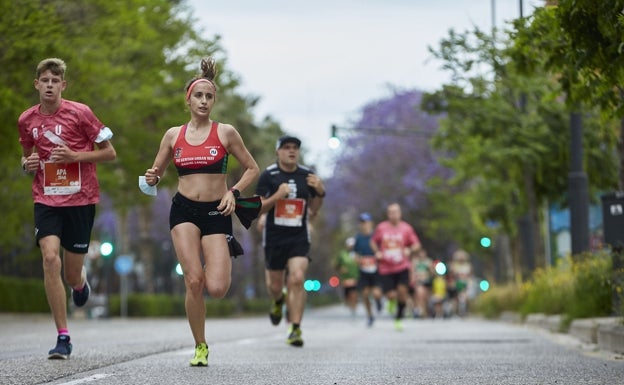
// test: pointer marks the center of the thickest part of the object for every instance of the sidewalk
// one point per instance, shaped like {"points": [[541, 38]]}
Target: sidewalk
{"points": [[607, 333]]}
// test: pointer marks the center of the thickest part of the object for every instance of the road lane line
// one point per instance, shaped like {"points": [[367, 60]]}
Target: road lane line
{"points": [[95, 377]]}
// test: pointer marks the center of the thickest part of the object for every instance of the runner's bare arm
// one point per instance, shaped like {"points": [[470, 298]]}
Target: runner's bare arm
{"points": [[268, 203], [103, 153]]}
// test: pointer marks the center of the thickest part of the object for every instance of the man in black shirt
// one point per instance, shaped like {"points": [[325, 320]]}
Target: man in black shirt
{"points": [[291, 195]]}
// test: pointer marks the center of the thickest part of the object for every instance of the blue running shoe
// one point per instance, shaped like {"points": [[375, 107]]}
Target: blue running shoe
{"points": [[62, 350], [81, 297]]}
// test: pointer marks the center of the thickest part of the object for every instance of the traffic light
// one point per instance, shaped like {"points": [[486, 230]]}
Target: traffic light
{"points": [[334, 140], [440, 267], [312, 285], [106, 249], [486, 242], [334, 281]]}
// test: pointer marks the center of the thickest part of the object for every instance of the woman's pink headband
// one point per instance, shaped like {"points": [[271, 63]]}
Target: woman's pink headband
{"points": [[190, 89]]}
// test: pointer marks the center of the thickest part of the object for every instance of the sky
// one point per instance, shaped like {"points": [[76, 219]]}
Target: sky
{"points": [[318, 63]]}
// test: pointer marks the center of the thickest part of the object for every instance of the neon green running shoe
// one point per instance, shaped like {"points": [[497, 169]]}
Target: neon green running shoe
{"points": [[201, 355], [294, 337], [392, 304], [275, 313], [398, 325]]}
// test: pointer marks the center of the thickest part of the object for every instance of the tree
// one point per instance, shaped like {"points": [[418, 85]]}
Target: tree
{"points": [[23, 24], [386, 158], [129, 61], [581, 43], [505, 134]]}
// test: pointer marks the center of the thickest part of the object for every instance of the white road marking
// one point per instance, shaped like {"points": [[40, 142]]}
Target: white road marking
{"points": [[95, 377]]}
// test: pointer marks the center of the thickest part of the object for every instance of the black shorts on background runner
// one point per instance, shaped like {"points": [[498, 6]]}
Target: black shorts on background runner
{"points": [[390, 282], [276, 257]]}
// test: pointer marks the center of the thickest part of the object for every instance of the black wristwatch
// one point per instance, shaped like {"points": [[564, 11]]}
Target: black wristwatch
{"points": [[235, 192]]}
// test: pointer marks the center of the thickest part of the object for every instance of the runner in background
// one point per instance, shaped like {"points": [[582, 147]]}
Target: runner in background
{"points": [[346, 266], [291, 195], [368, 282], [461, 272], [423, 272], [394, 241]]}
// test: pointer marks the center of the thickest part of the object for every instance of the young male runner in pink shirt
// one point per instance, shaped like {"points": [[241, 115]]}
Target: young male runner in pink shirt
{"points": [[61, 142]]}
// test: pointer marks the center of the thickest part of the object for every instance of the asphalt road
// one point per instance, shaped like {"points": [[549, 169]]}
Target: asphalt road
{"points": [[338, 350]]}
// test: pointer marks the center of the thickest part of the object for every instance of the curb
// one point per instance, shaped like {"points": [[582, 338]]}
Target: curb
{"points": [[605, 332], [611, 337], [586, 329]]}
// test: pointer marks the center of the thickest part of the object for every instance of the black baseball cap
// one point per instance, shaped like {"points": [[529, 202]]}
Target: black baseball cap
{"points": [[287, 139]]}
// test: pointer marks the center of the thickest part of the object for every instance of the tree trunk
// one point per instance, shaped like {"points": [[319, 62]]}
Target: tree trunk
{"points": [[533, 245], [503, 250]]}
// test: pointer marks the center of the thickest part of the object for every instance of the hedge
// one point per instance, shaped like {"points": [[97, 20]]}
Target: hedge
{"points": [[23, 295], [579, 287], [19, 295]]}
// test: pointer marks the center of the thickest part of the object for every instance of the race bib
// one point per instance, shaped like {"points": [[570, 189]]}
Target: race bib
{"points": [[61, 178], [368, 264], [393, 255], [289, 212]]}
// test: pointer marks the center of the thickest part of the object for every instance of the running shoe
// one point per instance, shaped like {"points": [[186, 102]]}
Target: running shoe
{"points": [[201, 355], [294, 337], [81, 297], [391, 306], [62, 350], [275, 314], [371, 320], [378, 305], [398, 325]]}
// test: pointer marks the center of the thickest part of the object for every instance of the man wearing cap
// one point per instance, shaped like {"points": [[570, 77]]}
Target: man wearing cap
{"points": [[368, 282], [291, 195]]}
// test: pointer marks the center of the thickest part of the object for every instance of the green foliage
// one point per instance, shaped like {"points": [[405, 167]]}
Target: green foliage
{"points": [[549, 289], [165, 305], [23, 26], [18, 295], [579, 42], [574, 288], [138, 55], [129, 61], [505, 134], [498, 299], [148, 305], [256, 305], [121, 58], [593, 287]]}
